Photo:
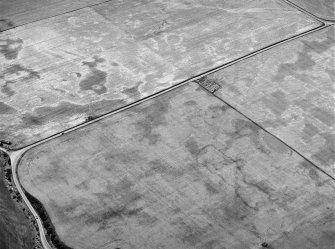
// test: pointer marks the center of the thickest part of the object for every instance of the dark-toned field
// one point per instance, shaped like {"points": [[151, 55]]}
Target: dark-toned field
{"points": [[180, 171], [58, 72]]}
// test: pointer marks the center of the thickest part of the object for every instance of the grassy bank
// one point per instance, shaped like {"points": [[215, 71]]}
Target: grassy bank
{"points": [[15, 229], [47, 224]]}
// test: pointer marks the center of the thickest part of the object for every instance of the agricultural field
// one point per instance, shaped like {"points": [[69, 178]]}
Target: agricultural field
{"points": [[15, 13], [182, 124], [183, 170], [289, 90], [61, 71], [324, 9]]}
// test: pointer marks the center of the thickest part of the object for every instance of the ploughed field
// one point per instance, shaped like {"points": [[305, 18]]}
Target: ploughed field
{"points": [[183, 170]]}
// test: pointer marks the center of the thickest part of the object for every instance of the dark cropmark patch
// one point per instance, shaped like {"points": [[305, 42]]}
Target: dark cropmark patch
{"points": [[94, 63], [312, 172], [275, 144], [65, 109], [189, 233], [213, 244], [6, 24], [145, 219], [153, 117], [210, 188], [325, 116], [123, 186], [261, 186], [309, 131], [192, 146], [20, 72], [18, 69], [10, 48], [7, 90], [230, 87], [59, 210], [133, 91], [304, 60], [55, 173], [31, 120], [96, 80], [190, 103], [103, 217], [6, 109], [246, 128], [159, 166], [239, 208], [326, 154], [277, 102], [320, 46], [118, 213], [217, 110], [47, 113]]}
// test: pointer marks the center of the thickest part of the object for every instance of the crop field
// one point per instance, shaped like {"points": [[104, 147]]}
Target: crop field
{"points": [[182, 124], [324, 9], [290, 91], [61, 71], [15, 13], [182, 170]]}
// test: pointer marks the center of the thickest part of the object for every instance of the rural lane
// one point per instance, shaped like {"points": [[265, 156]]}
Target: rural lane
{"points": [[15, 155], [15, 158]]}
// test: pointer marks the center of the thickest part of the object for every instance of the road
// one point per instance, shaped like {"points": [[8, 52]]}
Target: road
{"points": [[15, 155], [15, 158]]}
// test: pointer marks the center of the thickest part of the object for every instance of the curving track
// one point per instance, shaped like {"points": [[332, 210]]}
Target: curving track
{"points": [[15, 156]]}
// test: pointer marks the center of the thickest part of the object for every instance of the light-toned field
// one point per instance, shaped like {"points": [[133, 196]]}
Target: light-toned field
{"points": [[290, 91], [94, 60], [321, 8], [180, 171]]}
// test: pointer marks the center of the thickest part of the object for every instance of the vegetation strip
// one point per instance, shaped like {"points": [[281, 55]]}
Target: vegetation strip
{"points": [[5, 167], [49, 227]]}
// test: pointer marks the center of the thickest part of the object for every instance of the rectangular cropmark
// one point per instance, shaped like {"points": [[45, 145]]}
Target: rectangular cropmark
{"points": [[180, 171], [59, 72]]}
